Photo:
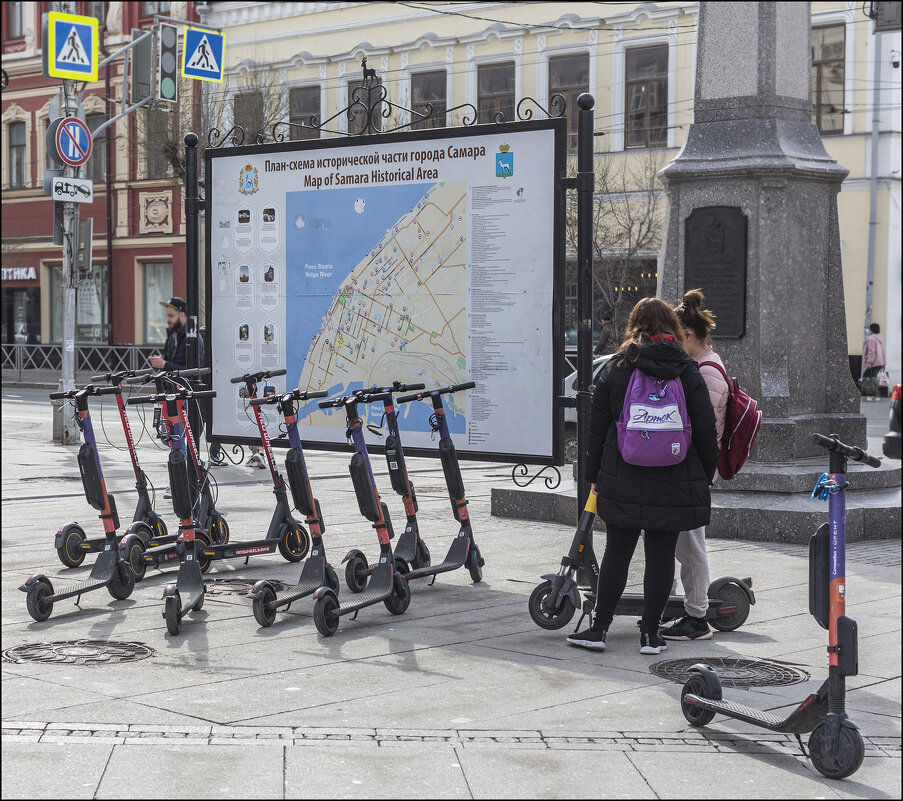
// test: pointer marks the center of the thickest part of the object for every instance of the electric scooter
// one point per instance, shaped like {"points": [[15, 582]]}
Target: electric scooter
{"points": [[410, 548], [554, 601], [71, 542], [317, 572], [111, 569], [189, 583], [463, 550], [385, 584], [211, 524], [835, 744]]}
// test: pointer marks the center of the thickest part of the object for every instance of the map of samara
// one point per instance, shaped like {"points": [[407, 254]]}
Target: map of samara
{"points": [[384, 282]]}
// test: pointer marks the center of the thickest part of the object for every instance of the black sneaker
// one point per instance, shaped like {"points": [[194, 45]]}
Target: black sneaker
{"points": [[592, 639], [651, 643], [688, 628]]}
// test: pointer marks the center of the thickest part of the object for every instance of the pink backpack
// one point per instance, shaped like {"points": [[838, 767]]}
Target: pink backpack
{"points": [[742, 421]]}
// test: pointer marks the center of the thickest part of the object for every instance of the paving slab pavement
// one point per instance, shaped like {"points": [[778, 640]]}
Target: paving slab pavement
{"points": [[460, 697]]}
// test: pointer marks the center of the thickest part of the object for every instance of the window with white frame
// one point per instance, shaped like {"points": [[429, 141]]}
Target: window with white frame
{"points": [[429, 97], [157, 286], [304, 104], [569, 77], [357, 116], [828, 75], [15, 133], [646, 97], [495, 91], [15, 20]]}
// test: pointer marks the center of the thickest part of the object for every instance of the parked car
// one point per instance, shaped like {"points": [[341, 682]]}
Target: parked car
{"points": [[20, 333], [570, 414], [891, 444]]}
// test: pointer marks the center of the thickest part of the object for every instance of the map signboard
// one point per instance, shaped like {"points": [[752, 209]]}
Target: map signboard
{"points": [[431, 257]]}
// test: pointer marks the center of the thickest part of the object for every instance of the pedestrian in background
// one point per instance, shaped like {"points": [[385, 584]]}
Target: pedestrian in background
{"points": [[874, 357], [698, 323], [662, 501], [608, 341]]}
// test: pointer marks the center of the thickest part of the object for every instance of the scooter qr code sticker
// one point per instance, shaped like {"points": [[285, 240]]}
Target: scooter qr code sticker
{"points": [[393, 465]]}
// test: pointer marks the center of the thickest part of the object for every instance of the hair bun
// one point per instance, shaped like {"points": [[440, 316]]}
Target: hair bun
{"points": [[693, 299]]}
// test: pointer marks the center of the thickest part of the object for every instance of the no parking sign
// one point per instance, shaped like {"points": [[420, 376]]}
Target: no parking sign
{"points": [[73, 142]]}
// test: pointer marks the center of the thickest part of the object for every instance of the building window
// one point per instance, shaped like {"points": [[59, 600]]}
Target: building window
{"points": [[828, 50], [149, 9], [15, 20], [157, 286], [428, 96], [157, 138], [357, 116], [97, 10], [21, 316], [16, 134], [304, 103], [97, 165], [90, 305], [569, 77], [495, 91], [247, 110], [646, 93]]}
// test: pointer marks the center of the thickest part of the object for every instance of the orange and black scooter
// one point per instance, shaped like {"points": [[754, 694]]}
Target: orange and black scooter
{"points": [[835, 744]]}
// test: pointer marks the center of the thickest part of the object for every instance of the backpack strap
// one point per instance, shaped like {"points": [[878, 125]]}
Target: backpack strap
{"points": [[720, 369]]}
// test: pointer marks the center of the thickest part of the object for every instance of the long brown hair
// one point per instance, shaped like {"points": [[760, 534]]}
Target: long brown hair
{"points": [[650, 317], [693, 316]]}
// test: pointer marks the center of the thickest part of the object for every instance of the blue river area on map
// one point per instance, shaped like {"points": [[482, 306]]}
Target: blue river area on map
{"points": [[325, 233]]}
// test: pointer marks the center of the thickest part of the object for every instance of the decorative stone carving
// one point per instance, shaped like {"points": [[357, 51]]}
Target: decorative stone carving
{"points": [[156, 213]]}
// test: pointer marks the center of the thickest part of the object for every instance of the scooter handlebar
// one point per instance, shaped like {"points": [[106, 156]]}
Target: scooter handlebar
{"points": [[855, 453], [443, 391], [255, 377], [186, 394], [144, 399], [59, 395], [109, 390]]}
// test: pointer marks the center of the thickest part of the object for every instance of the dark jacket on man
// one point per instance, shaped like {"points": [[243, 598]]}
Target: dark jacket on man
{"points": [[673, 498], [175, 353], [607, 343]]}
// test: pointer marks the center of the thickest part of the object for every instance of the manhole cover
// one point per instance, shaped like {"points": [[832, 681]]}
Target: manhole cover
{"points": [[733, 672], [79, 652], [236, 586]]}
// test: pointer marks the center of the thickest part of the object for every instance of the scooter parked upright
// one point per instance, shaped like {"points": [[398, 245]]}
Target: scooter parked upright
{"points": [[410, 548], [385, 584], [835, 744], [189, 585], [111, 570], [463, 551], [317, 572]]}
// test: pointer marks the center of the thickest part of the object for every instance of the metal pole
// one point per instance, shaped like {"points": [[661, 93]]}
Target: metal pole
{"points": [[873, 192], [109, 185], [71, 434], [585, 190], [192, 238]]}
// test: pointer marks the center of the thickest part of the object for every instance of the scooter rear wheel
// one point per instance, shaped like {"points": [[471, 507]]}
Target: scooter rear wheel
{"points": [[474, 566], [70, 552], [354, 578], [556, 619], [123, 581], [422, 558], [845, 758], [325, 619], [294, 544], [401, 566], [135, 558], [219, 530], [263, 612], [171, 613], [400, 599], [39, 608], [731, 594], [201, 541], [695, 715]]}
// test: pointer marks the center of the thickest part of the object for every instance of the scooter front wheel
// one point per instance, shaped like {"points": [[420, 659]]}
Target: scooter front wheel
{"points": [[38, 607], [219, 530], [263, 612], [123, 581], [171, 613], [294, 544], [474, 566], [695, 715], [70, 552], [325, 619], [555, 619], [202, 541], [354, 574], [332, 580], [135, 558], [400, 599], [846, 756]]}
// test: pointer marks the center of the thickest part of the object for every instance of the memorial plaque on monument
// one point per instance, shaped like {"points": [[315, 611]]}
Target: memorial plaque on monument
{"points": [[715, 262]]}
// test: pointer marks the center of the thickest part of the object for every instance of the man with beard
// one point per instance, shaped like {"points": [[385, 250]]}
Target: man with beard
{"points": [[176, 358]]}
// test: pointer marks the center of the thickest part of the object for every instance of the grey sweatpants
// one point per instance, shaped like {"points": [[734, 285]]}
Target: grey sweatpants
{"points": [[694, 571]]}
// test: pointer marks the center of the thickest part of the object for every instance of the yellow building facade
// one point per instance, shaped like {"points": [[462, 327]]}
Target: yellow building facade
{"points": [[294, 61]]}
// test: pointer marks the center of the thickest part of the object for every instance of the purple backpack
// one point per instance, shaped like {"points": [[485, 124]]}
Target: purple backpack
{"points": [[653, 429]]}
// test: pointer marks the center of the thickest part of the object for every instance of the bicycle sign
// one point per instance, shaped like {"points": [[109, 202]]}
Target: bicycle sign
{"points": [[73, 142]]}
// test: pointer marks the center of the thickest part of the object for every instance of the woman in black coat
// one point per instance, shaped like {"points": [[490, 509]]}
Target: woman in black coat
{"points": [[662, 501]]}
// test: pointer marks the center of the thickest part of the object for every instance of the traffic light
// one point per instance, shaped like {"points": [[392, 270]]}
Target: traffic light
{"points": [[142, 66], [168, 85]]}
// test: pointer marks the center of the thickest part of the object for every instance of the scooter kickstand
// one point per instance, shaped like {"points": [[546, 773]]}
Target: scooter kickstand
{"points": [[802, 747], [579, 622], [433, 581]]}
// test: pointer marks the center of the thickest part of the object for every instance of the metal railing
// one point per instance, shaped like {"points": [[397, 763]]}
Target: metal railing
{"points": [[46, 361]]}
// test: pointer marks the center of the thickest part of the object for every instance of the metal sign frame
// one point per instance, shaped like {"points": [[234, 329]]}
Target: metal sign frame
{"points": [[55, 71], [559, 126]]}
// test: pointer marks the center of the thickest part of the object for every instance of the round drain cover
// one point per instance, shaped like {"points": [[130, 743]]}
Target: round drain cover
{"points": [[236, 586], [733, 672], [79, 652]]}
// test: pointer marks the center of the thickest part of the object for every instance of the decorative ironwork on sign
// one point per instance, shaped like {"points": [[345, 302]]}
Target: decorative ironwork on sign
{"points": [[520, 471], [369, 108]]}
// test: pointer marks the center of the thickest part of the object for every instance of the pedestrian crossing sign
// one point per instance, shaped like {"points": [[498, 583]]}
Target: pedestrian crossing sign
{"points": [[71, 47], [202, 55]]}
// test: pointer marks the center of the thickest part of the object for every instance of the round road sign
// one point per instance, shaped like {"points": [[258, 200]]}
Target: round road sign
{"points": [[73, 142]]}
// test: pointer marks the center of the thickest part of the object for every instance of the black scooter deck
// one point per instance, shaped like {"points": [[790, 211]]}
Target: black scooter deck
{"points": [[313, 576], [190, 583], [101, 574], [802, 720], [378, 589], [455, 558]]}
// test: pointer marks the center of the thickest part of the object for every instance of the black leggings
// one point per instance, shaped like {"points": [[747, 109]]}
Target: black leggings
{"points": [[657, 580]]}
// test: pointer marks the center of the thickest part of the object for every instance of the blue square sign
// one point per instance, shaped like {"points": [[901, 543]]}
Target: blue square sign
{"points": [[202, 55], [71, 46]]}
